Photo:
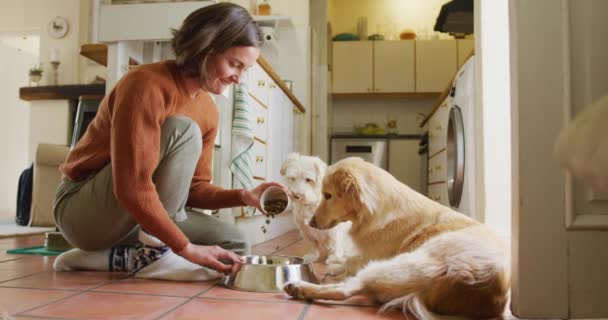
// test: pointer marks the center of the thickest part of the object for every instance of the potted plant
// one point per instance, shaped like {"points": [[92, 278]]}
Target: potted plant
{"points": [[35, 74]]}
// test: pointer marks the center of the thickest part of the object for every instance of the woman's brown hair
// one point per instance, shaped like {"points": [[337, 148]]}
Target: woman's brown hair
{"points": [[212, 29]]}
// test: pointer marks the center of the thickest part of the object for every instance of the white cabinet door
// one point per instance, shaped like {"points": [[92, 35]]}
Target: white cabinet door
{"points": [[352, 66], [438, 128], [260, 120], [394, 66], [560, 232], [465, 47], [439, 192], [259, 160], [404, 162], [435, 64], [258, 83]]}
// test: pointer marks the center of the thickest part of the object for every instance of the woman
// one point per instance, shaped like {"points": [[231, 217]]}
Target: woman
{"points": [[147, 156]]}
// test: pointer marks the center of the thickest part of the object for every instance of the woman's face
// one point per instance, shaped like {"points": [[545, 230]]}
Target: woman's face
{"points": [[226, 68]]}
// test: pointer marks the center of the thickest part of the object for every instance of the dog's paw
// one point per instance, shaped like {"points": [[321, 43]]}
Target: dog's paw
{"points": [[294, 289], [299, 290]]}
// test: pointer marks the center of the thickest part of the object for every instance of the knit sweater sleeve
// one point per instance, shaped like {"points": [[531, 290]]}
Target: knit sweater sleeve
{"points": [[138, 113], [203, 194]]}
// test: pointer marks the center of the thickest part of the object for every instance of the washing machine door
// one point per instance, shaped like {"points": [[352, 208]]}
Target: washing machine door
{"points": [[455, 156]]}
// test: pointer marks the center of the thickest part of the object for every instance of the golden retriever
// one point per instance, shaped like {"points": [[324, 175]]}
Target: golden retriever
{"points": [[415, 254]]}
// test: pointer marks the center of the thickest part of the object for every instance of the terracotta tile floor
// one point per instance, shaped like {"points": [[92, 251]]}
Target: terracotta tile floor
{"points": [[30, 289]]}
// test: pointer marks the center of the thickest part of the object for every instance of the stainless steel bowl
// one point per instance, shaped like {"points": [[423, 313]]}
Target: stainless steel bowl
{"points": [[268, 273]]}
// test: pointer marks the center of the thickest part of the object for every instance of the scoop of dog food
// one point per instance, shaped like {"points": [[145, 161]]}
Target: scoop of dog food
{"points": [[275, 206]]}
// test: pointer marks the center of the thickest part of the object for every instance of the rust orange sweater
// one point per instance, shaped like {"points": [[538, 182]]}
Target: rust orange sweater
{"points": [[126, 133]]}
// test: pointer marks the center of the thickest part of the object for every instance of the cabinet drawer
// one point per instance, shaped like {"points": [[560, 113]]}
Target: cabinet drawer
{"points": [[258, 83], [438, 128], [259, 159], [438, 192], [437, 168], [260, 120]]}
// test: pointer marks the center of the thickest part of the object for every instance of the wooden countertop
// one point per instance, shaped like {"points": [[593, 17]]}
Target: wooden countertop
{"points": [[98, 52], [61, 92]]}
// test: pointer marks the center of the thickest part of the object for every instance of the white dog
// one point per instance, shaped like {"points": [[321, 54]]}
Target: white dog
{"points": [[303, 177], [414, 254]]}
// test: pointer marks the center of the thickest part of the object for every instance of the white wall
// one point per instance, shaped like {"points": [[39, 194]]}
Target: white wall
{"points": [[17, 17], [20, 15], [387, 17], [68, 46], [495, 110], [14, 123]]}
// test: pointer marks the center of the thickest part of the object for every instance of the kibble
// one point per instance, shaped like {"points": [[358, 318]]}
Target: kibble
{"points": [[275, 206]]}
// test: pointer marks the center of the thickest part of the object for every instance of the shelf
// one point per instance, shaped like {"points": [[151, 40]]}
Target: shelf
{"points": [[63, 92], [395, 95], [272, 21], [98, 52]]}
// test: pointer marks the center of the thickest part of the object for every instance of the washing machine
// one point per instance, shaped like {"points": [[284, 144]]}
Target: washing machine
{"points": [[451, 167]]}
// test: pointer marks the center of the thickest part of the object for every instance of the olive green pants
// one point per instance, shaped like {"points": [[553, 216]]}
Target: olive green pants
{"points": [[91, 218]]}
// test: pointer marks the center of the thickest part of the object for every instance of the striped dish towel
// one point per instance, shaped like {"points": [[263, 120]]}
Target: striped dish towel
{"points": [[242, 141]]}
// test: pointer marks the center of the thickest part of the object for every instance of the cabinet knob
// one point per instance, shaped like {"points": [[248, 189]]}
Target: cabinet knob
{"points": [[273, 85], [260, 120], [438, 128], [259, 159], [377, 90], [438, 167], [437, 198]]}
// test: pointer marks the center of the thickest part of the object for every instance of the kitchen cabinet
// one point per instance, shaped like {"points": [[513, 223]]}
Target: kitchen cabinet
{"points": [[439, 192], [436, 62], [352, 67], [404, 162], [373, 66], [258, 83], [465, 48], [437, 160], [394, 66], [407, 66], [273, 131]]}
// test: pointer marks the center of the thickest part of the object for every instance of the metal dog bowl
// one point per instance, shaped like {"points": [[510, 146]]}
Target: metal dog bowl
{"points": [[268, 273]]}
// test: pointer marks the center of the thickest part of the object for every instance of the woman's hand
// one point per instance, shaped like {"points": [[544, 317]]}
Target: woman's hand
{"points": [[209, 256], [252, 197]]}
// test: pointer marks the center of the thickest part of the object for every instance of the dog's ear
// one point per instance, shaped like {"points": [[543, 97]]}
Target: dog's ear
{"points": [[291, 158], [346, 183], [353, 183], [320, 168]]}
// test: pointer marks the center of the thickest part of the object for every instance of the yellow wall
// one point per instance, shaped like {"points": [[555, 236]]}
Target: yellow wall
{"points": [[382, 14]]}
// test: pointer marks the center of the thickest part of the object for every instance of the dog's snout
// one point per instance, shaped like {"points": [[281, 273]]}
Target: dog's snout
{"points": [[313, 222]]}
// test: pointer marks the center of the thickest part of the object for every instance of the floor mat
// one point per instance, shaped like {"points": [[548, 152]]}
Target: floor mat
{"points": [[39, 251]]}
